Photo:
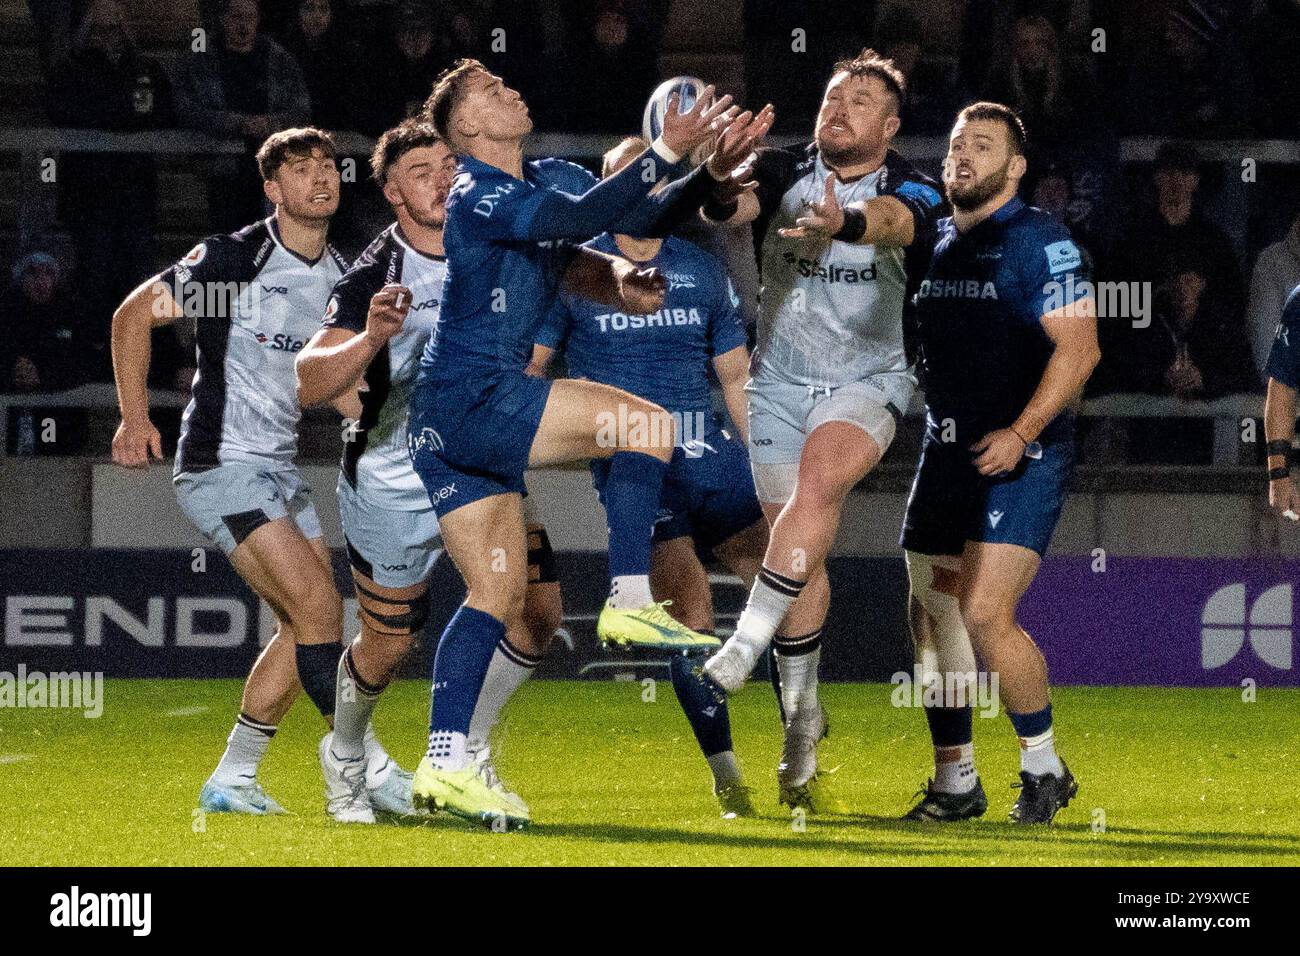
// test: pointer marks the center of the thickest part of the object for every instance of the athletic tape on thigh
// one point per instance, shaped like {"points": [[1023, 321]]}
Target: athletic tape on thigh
{"points": [[542, 557], [408, 621]]}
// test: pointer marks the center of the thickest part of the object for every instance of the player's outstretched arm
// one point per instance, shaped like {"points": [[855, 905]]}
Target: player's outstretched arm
{"points": [[732, 369], [1073, 331], [724, 175], [1279, 432], [337, 357], [881, 221], [149, 305], [611, 280], [550, 214]]}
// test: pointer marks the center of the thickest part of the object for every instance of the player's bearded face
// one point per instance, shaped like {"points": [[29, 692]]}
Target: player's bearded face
{"points": [[852, 123], [309, 186], [976, 168]]}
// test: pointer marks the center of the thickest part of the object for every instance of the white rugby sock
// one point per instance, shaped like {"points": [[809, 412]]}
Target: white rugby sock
{"points": [[1038, 755], [769, 602], [954, 769], [354, 702], [797, 659], [245, 748], [630, 591], [725, 770], [506, 673]]}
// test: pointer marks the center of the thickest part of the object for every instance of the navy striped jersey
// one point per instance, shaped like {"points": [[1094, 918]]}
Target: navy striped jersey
{"points": [[1284, 355], [979, 311], [664, 356], [831, 313], [376, 461], [255, 303]]}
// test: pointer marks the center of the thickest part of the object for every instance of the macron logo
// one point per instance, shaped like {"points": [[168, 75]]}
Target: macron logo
{"points": [[1225, 627]]}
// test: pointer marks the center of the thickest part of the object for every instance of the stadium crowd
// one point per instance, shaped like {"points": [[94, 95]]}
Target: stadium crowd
{"points": [[1181, 71]]}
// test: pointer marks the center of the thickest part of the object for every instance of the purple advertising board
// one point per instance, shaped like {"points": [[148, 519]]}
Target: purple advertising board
{"points": [[1187, 622]]}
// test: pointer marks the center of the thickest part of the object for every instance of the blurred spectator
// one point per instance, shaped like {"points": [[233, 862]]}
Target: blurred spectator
{"points": [[41, 349], [789, 49], [109, 200], [1054, 97], [1277, 272], [329, 66], [931, 98], [402, 72], [1274, 47], [611, 62], [1052, 191], [242, 84], [1196, 345], [1194, 80]]}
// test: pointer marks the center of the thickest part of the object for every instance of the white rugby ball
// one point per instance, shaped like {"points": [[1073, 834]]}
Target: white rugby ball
{"points": [[688, 88]]}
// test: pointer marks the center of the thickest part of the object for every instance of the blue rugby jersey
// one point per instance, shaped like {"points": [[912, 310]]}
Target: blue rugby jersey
{"points": [[508, 243], [1284, 356], [664, 356], [979, 310]]}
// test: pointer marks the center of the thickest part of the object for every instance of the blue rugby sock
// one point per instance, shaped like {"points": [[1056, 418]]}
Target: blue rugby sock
{"points": [[459, 669], [708, 718], [632, 503]]}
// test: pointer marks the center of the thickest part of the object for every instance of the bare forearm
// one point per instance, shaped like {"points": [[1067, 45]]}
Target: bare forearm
{"points": [[131, 341], [327, 371], [1066, 373], [1279, 416], [733, 393]]}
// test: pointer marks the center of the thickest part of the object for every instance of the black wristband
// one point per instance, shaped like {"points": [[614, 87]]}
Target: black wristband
{"points": [[1279, 446], [720, 210], [854, 228], [1276, 473]]}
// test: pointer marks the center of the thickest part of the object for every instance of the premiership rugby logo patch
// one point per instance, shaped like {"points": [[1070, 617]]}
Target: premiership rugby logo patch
{"points": [[1062, 256]]}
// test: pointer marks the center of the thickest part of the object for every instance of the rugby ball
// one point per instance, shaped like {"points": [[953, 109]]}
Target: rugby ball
{"points": [[689, 89]]}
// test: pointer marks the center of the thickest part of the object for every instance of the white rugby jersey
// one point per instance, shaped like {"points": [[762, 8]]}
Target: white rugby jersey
{"points": [[376, 462], [831, 313], [255, 304]]}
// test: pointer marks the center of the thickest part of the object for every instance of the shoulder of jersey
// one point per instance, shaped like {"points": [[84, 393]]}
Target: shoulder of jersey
{"points": [[375, 259], [251, 245], [564, 174], [1291, 308], [903, 178]]}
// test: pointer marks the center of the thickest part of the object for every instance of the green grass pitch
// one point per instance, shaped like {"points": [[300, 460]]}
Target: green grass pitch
{"points": [[1179, 777]]}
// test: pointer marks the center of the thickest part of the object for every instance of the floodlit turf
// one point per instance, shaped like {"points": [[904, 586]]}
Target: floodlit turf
{"points": [[1180, 777]]}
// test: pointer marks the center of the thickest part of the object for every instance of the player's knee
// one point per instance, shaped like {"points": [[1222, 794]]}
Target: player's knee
{"points": [[984, 617], [659, 436], [502, 596], [319, 609]]}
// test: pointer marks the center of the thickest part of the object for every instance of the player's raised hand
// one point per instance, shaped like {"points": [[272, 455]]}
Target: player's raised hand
{"points": [[642, 290], [998, 452], [823, 218], [1283, 498], [684, 131], [735, 144], [134, 442], [388, 309]]}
